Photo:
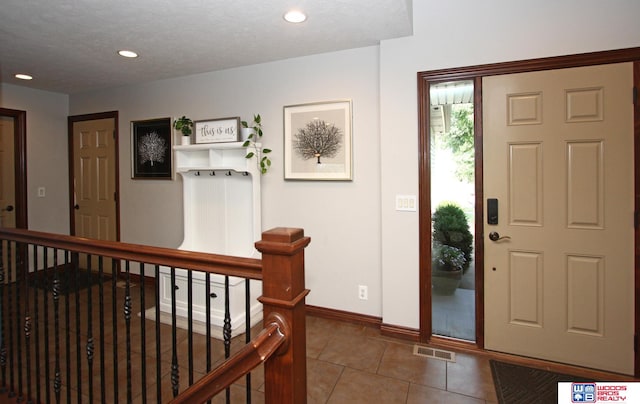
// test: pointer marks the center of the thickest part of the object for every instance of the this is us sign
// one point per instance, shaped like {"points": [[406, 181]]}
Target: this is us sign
{"points": [[217, 130]]}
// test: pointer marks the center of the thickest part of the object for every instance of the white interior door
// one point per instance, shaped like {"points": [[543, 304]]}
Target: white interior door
{"points": [[558, 156]]}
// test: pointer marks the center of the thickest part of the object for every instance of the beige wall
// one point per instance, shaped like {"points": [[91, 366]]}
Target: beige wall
{"points": [[46, 154], [357, 236], [342, 218]]}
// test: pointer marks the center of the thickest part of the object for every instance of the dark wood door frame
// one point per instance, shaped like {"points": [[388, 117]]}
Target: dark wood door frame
{"points": [[91, 117], [475, 73], [20, 162]]}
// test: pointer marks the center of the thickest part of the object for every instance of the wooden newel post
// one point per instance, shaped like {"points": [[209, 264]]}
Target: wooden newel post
{"points": [[284, 297]]}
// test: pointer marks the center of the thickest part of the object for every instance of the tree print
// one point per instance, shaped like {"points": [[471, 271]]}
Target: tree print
{"points": [[152, 148], [317, 139]]}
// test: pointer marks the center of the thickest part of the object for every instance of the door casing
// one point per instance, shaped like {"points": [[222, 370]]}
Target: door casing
{"points": [[20, 162], [475, 73], [89, 117]]}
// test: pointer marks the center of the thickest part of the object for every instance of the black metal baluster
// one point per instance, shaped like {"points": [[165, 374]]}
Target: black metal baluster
{"points": [[143, 339], [175, 375], [247, 328], [27, 322], [12, 390], [89, 349], [36, 310], [19, 271], [114, 324], [207, 290], [158, 362], [76, 275], [127, 318], [68, 268], [226, 329], [103, 382], [45, 294], [190, 322], [3, 349], [209, 296], [57, 381]]}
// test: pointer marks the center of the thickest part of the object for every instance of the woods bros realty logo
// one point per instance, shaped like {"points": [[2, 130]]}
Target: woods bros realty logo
{"points": [[600, 392]]}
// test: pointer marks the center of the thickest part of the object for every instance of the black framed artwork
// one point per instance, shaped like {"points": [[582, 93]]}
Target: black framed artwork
{"points": [[151, 150]]}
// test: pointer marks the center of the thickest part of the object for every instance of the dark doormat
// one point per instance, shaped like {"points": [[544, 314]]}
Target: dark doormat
{"points": [[520, 384], [70, 280]]}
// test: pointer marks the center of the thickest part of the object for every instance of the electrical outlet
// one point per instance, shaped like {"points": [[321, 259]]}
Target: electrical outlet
{"points": [[363, 292]]}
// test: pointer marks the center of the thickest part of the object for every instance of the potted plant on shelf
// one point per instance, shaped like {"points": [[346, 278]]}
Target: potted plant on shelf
{"points": [[255, 133], [184, 125], [452, 247]]}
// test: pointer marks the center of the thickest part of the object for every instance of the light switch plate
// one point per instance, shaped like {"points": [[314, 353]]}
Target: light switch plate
{"points": [[406, 203]]}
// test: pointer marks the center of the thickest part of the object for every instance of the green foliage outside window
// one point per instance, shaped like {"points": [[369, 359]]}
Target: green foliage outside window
{"points": [[459, 140]]}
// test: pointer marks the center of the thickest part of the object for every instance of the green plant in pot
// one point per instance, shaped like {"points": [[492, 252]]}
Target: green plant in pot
{"points": [[450, 227], [447, 264], [251, 143], [184, 125]]}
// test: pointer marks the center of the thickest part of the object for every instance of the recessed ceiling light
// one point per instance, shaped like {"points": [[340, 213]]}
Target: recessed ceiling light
{"points": [[23, 76], [295, 16], [127, 54]]}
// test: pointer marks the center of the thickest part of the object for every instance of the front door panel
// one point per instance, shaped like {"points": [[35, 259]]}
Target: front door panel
{"points": [[558, 156]]}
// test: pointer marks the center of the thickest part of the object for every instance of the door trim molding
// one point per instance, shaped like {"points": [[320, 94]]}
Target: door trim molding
{"points": [[20, 162], [90, 117], [476, 73]]}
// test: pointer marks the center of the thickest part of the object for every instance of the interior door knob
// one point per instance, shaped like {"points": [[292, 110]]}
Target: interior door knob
{"points": [[76, 206], [495, 236], [9, 208]]}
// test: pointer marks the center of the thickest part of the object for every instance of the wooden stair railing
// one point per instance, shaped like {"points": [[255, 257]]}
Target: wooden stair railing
{"points": [[248, 358], [284, 311], [281, 271]]}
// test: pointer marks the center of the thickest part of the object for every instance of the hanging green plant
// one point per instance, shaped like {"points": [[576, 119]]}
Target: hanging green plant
{"points": [[251, 143]]}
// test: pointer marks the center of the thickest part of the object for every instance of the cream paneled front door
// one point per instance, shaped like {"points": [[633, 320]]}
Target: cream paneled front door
{"points": [[558, 157]]}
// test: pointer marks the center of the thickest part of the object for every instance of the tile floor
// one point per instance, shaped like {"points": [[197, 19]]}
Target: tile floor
{"points": [[355, 364], [346, 363]]}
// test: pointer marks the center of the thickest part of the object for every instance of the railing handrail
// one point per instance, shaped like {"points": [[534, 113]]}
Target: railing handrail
{"points": [[281, 271], [256, 352], [213, 263]]}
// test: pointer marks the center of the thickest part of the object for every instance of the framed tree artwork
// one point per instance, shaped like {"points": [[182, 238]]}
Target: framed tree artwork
{"points": [[151, 149], [317, 141]]}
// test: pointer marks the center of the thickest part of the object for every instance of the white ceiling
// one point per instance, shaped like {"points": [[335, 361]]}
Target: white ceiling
{"points": [[70, 46]]}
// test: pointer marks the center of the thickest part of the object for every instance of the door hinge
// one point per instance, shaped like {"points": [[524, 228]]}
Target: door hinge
{"points": [[635, 343], [636, 219], [635, 95]]}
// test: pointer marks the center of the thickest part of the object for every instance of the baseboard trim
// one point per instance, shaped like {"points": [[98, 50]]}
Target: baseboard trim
{"points": [[396, 331], [354, 318]]}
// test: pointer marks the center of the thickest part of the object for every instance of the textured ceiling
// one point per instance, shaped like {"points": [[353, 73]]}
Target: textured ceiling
{"points": [[70, 46]]}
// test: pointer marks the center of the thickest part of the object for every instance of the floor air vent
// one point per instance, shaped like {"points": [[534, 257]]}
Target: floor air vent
{"points": [[434, 353]]}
